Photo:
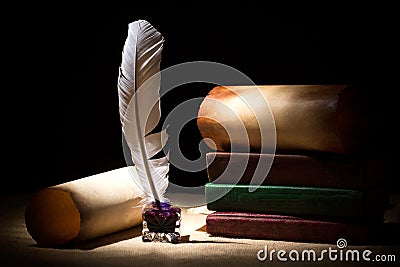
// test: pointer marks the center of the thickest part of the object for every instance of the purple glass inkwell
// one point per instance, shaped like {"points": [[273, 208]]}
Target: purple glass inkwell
{"points": [[161, 223]]}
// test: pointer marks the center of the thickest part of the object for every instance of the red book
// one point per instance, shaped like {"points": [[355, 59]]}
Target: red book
{"points": [[333, 171], [290, 228]]}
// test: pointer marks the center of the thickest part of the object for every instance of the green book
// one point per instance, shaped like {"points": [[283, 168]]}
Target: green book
{"points": [[285, 200]]}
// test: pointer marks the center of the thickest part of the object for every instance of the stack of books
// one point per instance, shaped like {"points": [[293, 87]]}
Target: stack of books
{"points": [[303, 198], [316, 196]]}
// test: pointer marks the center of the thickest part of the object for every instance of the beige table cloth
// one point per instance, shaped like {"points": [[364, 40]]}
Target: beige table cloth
{"points": [[197, 248]]}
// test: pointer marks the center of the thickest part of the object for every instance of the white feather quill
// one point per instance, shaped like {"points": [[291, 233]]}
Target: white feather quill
{"points": [[139, 108]]}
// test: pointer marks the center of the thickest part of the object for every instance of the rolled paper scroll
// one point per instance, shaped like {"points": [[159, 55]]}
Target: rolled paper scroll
{"points": [[83, 209], [325, 118]]}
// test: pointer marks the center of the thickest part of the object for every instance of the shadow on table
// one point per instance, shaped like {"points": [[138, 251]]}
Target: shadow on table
{"points": [[121, 236], [102, 241], [387, 235], [186, 240], [110, 239]]}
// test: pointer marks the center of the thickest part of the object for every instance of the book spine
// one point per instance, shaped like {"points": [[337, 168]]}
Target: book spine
{"points": [[294, 170], [284, 228], [286, 200]]}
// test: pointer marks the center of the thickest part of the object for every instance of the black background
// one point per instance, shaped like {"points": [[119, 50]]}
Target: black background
{"points": [[66, 84]]}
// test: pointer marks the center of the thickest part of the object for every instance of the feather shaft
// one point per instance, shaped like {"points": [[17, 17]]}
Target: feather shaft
{"points": [[139, 107], [144, 153]]}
